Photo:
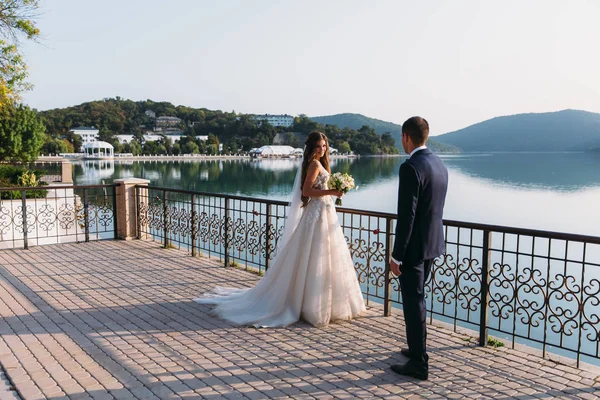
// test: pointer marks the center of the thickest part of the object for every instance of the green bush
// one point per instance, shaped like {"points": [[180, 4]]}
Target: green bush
{"points": [[18, 176]]}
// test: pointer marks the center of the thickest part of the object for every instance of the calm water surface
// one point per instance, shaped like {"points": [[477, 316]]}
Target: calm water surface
{"points": [[549, 191]]}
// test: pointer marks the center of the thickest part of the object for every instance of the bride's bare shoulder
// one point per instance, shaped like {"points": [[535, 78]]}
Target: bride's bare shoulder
{"points": [[314, 164], [317, 164]]}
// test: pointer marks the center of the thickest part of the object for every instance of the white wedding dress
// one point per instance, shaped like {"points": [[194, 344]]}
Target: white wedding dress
{"points": [[312, 276]]}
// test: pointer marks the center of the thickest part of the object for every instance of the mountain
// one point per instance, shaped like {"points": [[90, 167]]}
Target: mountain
{"points": [[356, 121], [571, 130]]}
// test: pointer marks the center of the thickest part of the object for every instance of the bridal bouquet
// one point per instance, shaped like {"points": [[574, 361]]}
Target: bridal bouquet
{"points": [[343, 182]]}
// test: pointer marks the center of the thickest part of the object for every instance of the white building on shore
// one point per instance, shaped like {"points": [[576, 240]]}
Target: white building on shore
{"points": [[167, 122], [98, 150], [275, 120], [123, 139], [272, 152], [87, 134], [281, 152]]}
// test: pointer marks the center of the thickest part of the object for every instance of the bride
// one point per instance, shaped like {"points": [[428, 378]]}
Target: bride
{"points": [[312, 276]]}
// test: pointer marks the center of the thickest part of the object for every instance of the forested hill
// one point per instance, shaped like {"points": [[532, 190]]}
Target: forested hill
{"points": [[355, 121], [116, 116], [571, 130]]}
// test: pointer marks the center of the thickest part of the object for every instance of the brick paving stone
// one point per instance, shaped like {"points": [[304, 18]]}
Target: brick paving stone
{"points": [[115, 319], [141, 393]]}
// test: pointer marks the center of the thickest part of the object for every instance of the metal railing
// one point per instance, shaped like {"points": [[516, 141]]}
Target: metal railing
{"points": [[56, 214], [533, 287]]}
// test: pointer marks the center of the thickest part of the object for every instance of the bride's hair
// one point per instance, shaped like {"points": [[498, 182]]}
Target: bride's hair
{"points": [[309, 154]]}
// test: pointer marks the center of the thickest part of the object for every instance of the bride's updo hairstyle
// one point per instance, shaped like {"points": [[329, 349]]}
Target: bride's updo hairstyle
{"points": [[309, 154]]}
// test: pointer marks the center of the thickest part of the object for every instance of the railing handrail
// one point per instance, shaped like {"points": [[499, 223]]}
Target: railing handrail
{"points": [[454, 223], [51, 187], [223, 195]]}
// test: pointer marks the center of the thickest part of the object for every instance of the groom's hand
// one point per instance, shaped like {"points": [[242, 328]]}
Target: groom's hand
{"points": [[395, 268]]}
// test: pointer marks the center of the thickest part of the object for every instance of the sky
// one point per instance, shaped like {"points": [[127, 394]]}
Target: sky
{"points": [[455, 62]]}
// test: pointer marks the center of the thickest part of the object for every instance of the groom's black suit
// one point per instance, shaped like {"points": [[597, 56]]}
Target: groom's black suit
{"points": [[419, 240]]}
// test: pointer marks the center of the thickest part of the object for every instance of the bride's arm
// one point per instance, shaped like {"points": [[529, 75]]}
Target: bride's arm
{"points": [[309, 191]]}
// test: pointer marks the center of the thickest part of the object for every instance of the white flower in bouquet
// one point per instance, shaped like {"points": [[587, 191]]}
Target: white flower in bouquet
{"points": [[342, 182]]}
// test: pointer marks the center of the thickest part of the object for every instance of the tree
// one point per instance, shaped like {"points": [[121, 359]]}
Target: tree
{"points": [[166, 143], [232, 146], [304, 124], [118, 146], [21, 133], [344, 147], [134, 148], [189, 148], [75, 140], [138, 134], [16, 20], [106, 136], [56, 146], [212, 149], [176, 148], [291, 140], [150, 147], [388, 140], [213, 139]]}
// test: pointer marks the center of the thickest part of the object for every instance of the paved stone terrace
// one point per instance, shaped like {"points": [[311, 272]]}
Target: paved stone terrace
{"points": [[116, 320]]}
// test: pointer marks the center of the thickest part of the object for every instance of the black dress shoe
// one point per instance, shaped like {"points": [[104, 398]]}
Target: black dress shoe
{"points": [[409, 369], [406, 352]]}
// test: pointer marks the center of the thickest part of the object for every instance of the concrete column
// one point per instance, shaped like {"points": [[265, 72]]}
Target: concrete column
{"points": [[67, 172], [127, 222]]}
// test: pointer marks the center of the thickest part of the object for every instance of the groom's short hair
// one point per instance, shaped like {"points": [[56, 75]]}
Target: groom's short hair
{"points": [[417, 129]]}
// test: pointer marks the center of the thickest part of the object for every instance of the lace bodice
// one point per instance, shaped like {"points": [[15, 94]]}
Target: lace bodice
{"points": [[316, 205], [321, 181]]}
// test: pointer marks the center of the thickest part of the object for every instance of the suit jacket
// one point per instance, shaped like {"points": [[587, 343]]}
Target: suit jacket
{"points": [[421, 198]]}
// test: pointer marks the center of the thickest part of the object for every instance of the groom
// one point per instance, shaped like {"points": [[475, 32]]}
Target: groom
{"points": [[419, 237]]}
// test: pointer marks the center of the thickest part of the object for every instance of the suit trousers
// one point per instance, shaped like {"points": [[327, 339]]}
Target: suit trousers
{"points": [[412, 284]]}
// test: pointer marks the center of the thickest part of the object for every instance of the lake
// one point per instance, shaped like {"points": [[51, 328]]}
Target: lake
{"points": [[548, 191]]}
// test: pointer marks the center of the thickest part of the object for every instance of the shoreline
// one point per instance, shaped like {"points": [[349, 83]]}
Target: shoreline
{"points": [[198, 157]]}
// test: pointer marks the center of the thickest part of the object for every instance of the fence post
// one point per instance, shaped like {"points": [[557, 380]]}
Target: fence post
{"points": [[86, 217], [226, 232], [193, 227], [268, 237], [115, 214], [66, 173], [485, 281], [128, 199], [24, 214], [387, 297], [165, 219], [138, 211]]}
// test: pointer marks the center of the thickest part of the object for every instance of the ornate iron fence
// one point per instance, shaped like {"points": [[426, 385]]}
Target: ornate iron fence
{"points": [[56, 214], [532, 287]]}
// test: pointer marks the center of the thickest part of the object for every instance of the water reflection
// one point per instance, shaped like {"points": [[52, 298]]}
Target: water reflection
{"points": [[550, 191], [93, 172], [243, 177], [555, 171]]}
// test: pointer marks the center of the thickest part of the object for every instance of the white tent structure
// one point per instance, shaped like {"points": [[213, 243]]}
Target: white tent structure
{"points": [[273, 151], [98, 150]]}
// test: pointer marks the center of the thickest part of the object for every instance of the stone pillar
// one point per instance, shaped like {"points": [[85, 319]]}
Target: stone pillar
{"points": [[127, 222], [67, 172]]}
